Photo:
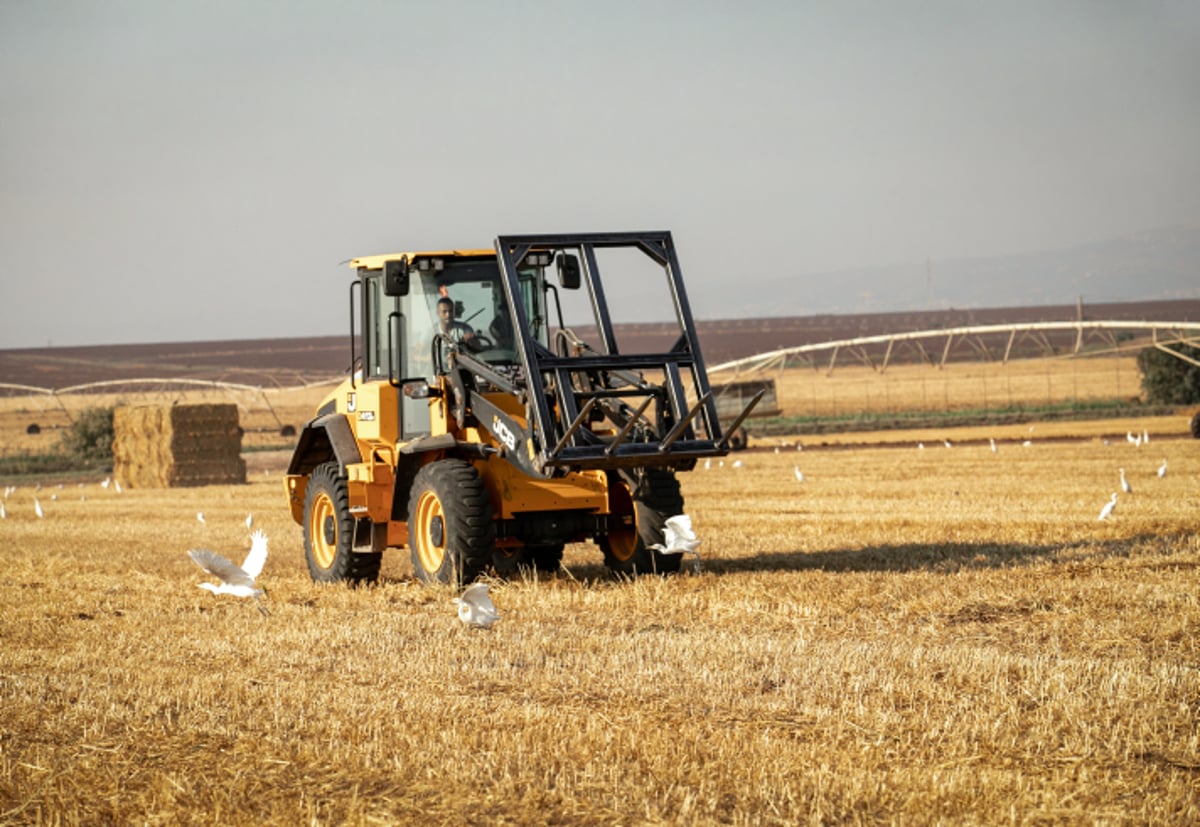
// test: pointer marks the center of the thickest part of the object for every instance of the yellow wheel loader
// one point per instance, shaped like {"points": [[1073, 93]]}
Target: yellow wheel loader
{"points": [[491, 416]]}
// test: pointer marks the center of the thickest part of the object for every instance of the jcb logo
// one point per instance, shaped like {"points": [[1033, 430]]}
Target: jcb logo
{"points": [[503, 433]]}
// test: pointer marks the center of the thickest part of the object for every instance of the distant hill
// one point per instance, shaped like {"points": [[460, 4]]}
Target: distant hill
{"points": [[283, 362], [1157, 265]]}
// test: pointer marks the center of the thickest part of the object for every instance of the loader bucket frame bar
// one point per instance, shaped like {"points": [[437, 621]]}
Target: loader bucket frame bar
{"points": [[563, 443]]}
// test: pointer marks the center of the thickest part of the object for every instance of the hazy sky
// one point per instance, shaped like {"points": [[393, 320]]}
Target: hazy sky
{"points": [[197, 170]]}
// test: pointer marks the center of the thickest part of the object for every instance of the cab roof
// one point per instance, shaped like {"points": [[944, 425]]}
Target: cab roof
{"points": [[376, 262]]}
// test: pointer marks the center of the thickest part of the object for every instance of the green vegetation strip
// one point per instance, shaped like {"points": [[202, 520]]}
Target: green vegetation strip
{"points": [[910, 420]]}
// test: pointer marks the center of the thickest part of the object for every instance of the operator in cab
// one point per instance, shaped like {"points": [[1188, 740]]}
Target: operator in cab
{"points": [[453, 330]]}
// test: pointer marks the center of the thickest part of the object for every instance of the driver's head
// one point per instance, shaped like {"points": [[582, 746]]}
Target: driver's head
{"points": [[445, 309]]}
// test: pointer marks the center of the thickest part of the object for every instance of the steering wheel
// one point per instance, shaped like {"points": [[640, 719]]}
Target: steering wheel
{"points": [[480, 343]]}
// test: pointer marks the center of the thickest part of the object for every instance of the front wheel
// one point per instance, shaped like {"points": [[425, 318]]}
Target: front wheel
{"points": [[627, 551], [329, 531], [451, 532]]}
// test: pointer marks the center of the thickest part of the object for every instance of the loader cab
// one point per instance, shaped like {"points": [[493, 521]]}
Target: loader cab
{"points": [[401, 323]]}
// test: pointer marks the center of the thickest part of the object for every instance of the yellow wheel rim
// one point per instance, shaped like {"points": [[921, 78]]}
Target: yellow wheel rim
{"points": [[322, 530], [431, 550], [622, 542]]}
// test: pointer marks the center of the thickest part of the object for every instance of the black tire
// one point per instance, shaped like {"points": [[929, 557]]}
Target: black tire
{"points": [[329, 531], [509, 562], [627, 552], [451, 532]]}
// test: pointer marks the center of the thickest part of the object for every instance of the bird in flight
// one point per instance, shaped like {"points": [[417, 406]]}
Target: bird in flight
{"points": [[1108, 509], [680, 537], [475, 608], [235, 580]]}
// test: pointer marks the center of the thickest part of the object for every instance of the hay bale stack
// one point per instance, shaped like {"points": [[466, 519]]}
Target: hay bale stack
{"points": [[175, 446]]}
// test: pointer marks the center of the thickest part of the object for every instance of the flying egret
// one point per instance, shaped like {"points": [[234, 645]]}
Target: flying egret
{"points": [[237, 581], [475, 608], [37, 508], [1125, 486], [1108, 509], [680, 538], [799, 474], [1162, 469]]}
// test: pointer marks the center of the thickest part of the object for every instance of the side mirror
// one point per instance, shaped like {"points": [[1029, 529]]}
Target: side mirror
{"points": [[395, 277], [568, 271]]}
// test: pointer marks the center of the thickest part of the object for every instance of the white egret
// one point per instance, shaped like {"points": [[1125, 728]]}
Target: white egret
{"points": [[1129, 437], [235, 580], [992, 442], [920, 446], [200, 517], [1145, 436], [1027, 443], [37, 508], [1108, 509], [946, 442], [1125, 486], [1162, 469], [3, 513], [799, 474], [249, 520], [708, 463], [106, 482], [117, 485], [737, 463], [680, 537], [475, 608]]}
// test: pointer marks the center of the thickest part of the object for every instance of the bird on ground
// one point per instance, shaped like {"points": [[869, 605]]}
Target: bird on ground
{"points": [[117, 485], [1129, 437], [799, 474], [777, 449], [106, 482], [920, 446], [37, 508], [680, 537], [708, 463], [946, 442], [992, 442], [1162, 469], [737, 463], [1145, 436], [1125, 486], [235, 580], [1027, 443], [3, 513], [1108, 509], [475, 608], [200, 517], [799, 446], [249, 520]]}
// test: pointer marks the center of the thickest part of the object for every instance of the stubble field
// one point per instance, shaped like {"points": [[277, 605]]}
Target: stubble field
{"points": [[906, 636]]}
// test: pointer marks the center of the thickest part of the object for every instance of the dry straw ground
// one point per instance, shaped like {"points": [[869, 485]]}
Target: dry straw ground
{"points": [[907, 636]]}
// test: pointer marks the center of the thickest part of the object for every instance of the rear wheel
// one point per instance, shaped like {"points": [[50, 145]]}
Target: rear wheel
{"points": [[451, 532], [627, 549], [329, 531]]}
